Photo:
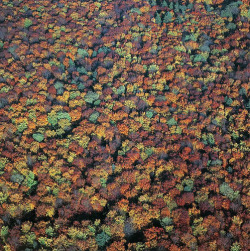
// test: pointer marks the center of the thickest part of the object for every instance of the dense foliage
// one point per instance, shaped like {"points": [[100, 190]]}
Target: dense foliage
{"points": [[124, 125]]}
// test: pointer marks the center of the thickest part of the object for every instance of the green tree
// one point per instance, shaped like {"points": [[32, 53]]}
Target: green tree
{"points": [[158, 18], [168, 17], [227, 191], [164, 4], [4, 231], [153, 3], [235, 247], [27, 23], [102, 239]]}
